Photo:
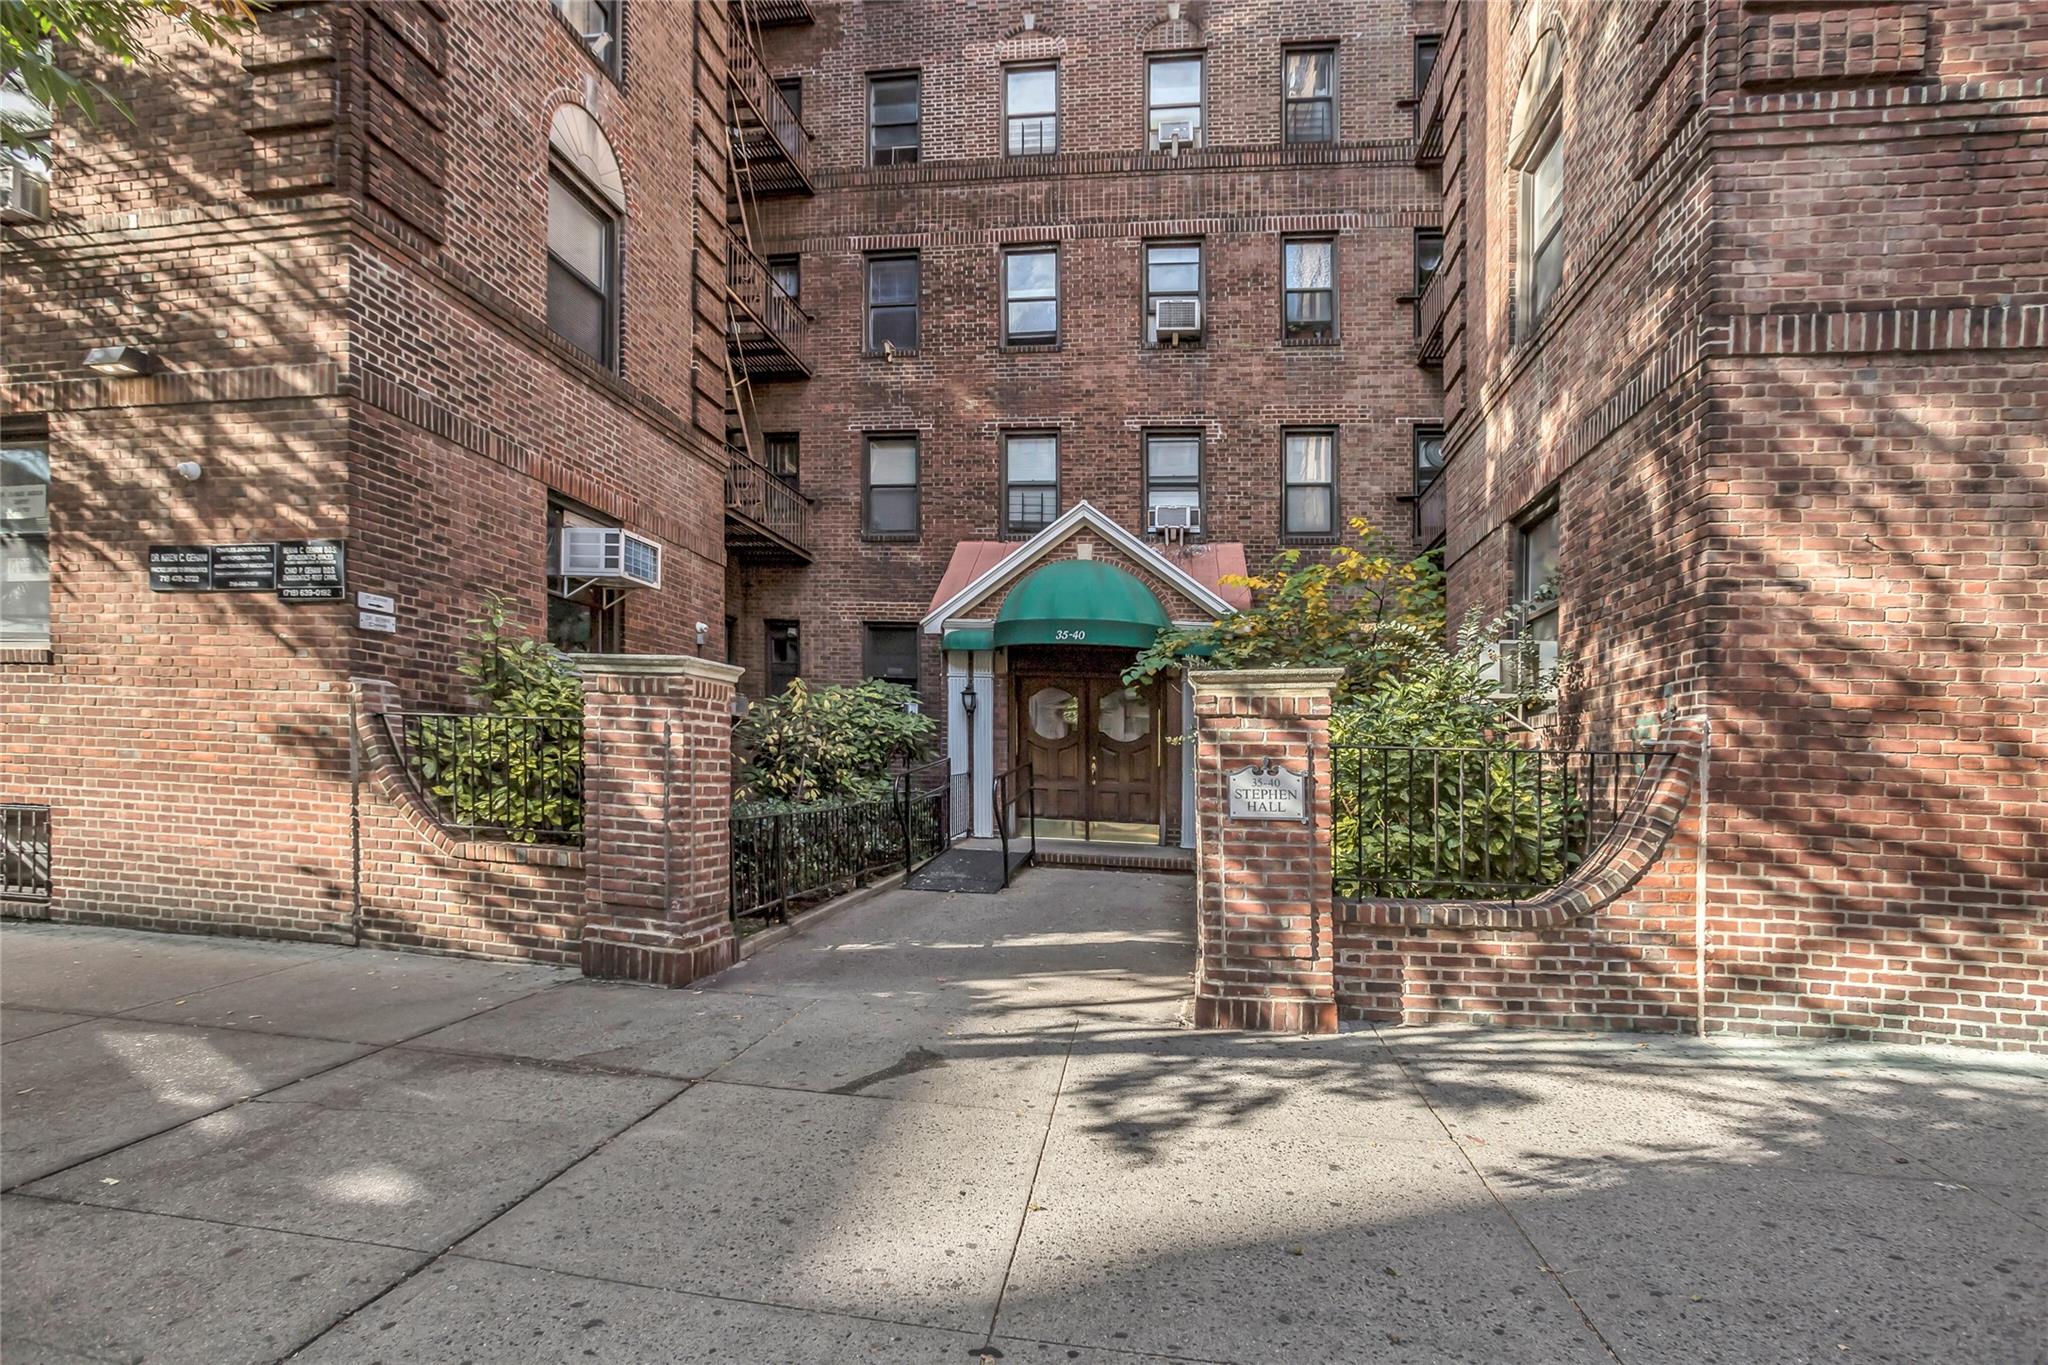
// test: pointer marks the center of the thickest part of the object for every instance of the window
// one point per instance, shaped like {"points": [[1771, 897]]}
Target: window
{"points": [[788, 274], [1031, 108], [1429, 254], [891, 510], [892, 302], [1429, 455], [1031, 482], [783, 456], [583, 270], [1172, 271], [24, 541], [1308, 473], [1543, 216], [592, 620], [1426, 46], [785, 655], [892, 119], [1310, 313], [1173, 472], [1031, 296], [1308, 95], [792, 88], [1173, 101], [1536, 564], [596, 22], [889, 653]]}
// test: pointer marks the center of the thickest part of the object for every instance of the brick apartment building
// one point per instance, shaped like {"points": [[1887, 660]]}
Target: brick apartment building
{"points": [[1707, 335]]}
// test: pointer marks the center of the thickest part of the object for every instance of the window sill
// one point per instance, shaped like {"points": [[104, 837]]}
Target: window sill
{"points": [[1164, 348], [1030, 347], [1308, 542], [898, 354], [1330, 343], [27, 654], [892, 537]]}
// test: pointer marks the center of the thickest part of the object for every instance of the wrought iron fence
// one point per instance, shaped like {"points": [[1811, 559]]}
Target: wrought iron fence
{"points": [[1472, 823], [782, 858], [1016, 808], [24, 852], [518, 778]]}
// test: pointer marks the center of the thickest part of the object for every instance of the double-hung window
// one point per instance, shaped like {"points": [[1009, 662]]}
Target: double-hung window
{"points": [[596, 22], [1173, 277], [1031, 296], [892, 302], [583, 270], [589, 620], [1542, 221], [889, 654], [1308, 473], [1429, 455], [1031, 481], [785, 458], [1426, 46], [1173, 101], [785, 654], [1173, 474], [1310, 312], [1536, 565], [1308, 94], [1031, 110], [891, 501], [24, 541], [893, 134]]}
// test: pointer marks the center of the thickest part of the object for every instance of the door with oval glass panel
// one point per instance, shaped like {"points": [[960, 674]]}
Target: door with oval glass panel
{"points": [[1094, 749]]}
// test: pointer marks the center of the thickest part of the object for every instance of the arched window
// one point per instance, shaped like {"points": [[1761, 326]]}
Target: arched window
{"points": [[1536, 154], [586, 208]]}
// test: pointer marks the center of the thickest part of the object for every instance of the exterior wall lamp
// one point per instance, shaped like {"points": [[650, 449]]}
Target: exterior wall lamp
{"points": [[121, 360]]}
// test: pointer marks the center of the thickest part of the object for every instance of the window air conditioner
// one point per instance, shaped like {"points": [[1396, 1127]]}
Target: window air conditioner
{"points": [[1176, 519], [1181, 131], [1178, 316], [24, 194], [1525, 665], [608, 556]]}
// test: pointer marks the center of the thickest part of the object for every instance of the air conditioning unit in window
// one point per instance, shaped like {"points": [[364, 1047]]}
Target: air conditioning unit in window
{"points": [[1517, 666], [1178, 317], [1188, 519], [1177, 134], [24, 193], [608, 556]]}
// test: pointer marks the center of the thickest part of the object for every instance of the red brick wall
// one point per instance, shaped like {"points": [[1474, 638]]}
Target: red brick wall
{"points": [[1786, 396], [1099, 199]]}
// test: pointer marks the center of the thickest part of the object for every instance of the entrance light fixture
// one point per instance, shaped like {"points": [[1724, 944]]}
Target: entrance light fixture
{"points": [[121, 360]]}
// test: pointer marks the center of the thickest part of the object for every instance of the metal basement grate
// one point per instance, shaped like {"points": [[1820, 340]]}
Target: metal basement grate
{"points": [[24, 852]]}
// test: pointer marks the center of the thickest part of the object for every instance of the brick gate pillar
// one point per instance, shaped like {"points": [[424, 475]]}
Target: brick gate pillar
{"points": [[1263, 895], [657, 795]]}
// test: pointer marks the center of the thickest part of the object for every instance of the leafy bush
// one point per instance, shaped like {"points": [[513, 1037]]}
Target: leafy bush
{"points": [[813, 744], [1431, 823], [516, 765], [1359, 608]]}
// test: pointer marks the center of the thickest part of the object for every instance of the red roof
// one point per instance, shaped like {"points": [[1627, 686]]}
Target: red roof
{"points": [[1208, 564]]}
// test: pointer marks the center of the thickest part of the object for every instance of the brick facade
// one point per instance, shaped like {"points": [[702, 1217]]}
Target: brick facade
{"points": [[333, 239], [1099, 199], [1787, 399]]}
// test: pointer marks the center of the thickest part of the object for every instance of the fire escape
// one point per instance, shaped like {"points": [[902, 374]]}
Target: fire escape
{"points": [[767, 517], [1440, 311]]}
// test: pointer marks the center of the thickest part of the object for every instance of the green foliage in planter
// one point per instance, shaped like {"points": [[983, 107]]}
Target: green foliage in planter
{"points": [[813, 744], [1486, 810], [517, 764]]}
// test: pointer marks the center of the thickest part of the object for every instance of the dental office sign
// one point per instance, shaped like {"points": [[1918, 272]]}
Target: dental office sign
{"points": [[1268, 792]]}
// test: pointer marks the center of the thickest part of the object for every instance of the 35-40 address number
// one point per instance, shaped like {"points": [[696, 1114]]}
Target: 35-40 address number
{"points": [[1069, 637]]}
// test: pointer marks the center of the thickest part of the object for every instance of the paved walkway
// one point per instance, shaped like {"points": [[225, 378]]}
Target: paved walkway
{"points": [[941, 1127]]}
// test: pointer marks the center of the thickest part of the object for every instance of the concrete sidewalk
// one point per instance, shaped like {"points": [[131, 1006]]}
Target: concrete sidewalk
{"points": [[937, 1127]]}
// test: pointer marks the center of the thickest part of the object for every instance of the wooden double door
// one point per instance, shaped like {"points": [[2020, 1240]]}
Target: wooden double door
{"points": [[1096, 750]]}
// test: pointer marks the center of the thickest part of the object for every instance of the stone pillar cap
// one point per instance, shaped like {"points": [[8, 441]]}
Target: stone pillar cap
{"points": [[1250, 680], [658, 665]]}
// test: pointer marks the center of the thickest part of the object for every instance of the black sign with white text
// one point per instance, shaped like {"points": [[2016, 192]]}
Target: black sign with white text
{"points": [[245, 568], [312, 571], [180, 568], [296, 570]]}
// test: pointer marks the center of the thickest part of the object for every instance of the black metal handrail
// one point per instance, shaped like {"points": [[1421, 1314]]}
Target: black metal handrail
{"points": [[1471, 823], [768, 305], [24, 851], [765, 498], [749, 81], [782, 858], [1015, 791], [518, 778]]}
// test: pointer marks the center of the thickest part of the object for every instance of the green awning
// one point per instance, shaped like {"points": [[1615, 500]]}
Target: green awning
{"points": [[1080, 602], [967, 637]]}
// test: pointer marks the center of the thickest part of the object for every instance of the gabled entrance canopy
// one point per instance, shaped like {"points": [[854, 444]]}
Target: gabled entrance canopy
{"points": [[981, 569]]}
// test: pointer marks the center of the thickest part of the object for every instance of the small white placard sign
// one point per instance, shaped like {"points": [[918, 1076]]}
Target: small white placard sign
{"points": [[377, 620], [377, 602], [1268, 793]]}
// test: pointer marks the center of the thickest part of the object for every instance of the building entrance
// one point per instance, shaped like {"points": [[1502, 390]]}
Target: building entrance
{"points": [[1097, 753]]}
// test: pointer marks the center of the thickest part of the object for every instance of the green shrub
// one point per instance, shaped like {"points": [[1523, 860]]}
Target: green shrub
{"points": [[812, 744], [516, 765]]}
